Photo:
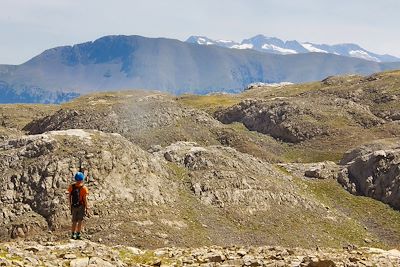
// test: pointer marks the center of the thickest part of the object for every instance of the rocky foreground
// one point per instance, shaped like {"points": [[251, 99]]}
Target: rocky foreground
{"points": [[85, 253]]}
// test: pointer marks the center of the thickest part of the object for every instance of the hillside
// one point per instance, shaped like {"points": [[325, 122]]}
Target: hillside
{"points": [[122, 62], [270, 166], [318, 121]]}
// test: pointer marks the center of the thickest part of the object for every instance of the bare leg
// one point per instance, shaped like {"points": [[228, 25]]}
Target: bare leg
{"points": [[73, 228], [79, 226]]}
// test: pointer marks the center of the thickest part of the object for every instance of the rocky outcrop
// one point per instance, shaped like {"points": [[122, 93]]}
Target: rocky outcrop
{"points": [[88, 254], [35, 172], [354, 112], [373, 171], [389, 115], [318, 170], [281, 119], [224, 177]]}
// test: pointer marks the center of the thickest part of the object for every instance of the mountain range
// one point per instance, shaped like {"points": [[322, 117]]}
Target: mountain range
{"points": [[130, 62], [275, 45]]}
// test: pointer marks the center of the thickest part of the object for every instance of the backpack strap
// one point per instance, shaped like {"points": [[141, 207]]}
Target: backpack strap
{"points": [[73, 186]]}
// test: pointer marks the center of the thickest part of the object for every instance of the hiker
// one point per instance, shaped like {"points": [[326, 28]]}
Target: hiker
{"points": [[78, 204]]}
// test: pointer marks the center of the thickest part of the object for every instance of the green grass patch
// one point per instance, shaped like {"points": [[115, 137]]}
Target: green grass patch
{"points": [[284, 91], [19, 115], [209, 103], [309, 155], [379, 220], [7, 256], [189, 207], [3, 253], [179, 173], [240, 127]]}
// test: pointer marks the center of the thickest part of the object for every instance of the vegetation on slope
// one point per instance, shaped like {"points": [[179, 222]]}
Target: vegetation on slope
{"points": [[350, 111]]}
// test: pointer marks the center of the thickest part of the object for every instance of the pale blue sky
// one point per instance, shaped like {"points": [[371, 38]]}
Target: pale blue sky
{"points": [[27, 27]]}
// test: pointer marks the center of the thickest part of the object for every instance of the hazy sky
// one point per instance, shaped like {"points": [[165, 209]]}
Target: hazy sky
{"points": [[27, 27]]}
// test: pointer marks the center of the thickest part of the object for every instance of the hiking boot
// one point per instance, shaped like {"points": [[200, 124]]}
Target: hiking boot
{"points": [[78, 236], [73, 236]]}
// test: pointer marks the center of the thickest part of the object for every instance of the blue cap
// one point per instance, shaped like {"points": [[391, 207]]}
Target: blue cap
{"points": [[79, 176]]}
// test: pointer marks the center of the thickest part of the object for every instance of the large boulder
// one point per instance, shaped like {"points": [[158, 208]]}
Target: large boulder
{"points": [[373, 171]]}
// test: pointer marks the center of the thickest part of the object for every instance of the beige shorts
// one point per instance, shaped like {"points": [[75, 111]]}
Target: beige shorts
{"points": [[78, 213]]}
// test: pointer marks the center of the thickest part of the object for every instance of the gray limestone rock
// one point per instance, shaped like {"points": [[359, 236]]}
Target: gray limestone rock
{"points": [[373, 171], [39, 169], [80, 262], [280, 119]]}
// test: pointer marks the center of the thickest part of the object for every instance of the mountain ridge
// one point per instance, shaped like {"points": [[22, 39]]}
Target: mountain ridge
{"points": [[126, 62], [275, 45]]}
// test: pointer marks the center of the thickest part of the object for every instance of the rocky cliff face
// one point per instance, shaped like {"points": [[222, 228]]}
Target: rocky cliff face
{"points": [[374, 171], [281, 119]]}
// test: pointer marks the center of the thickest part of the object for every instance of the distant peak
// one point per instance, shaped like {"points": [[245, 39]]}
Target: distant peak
{"points": [[195, 37], [274, 45], [261, 36]]}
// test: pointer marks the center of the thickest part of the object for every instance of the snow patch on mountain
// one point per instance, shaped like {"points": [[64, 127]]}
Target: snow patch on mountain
{"points": [[312, 48], [278, 49], [243, 46], [204, 41], [362, 54], [225, 41]]}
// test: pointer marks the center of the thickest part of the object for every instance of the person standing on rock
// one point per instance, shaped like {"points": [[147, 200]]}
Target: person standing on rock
{"points": [[78, 203]]}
